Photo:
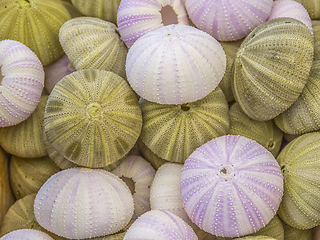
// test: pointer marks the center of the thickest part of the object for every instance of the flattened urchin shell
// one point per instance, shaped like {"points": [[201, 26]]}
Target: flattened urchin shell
{"points": [[92, 118], [173, 132], [228, 20], [304, 114], [136, 18], [27, 234], [160, 225], [92, 43], [175, 64], [231, 186], [22, 81], [36, 24], [300, 166], [80, 203], [272, 67], [312, 6]]}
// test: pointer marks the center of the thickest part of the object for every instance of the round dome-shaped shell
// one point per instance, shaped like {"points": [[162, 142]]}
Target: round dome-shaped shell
{"points": [[175, 64], [272, 67], [36, 24], [300, 166], [26, 234], [292, 233], [137, 18], [292, 9], [92, 43], [316, 35], [231, 186], [22, 82], [80, 203], [92, 118], [304, 114], [312, 6], [173, 132], [228, 20], [160, 225]]}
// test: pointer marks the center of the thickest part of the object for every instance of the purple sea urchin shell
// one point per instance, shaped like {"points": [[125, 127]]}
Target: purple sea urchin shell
{"points": [[26, 234], [138, 17], [22, 82], [228, 20], [175, 64], [231, 186]]}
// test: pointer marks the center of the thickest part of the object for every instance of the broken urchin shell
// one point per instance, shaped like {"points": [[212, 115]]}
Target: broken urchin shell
{"points": [[231, 186], [80, 203], [22, 82], [175, 64], [228, 20], [26, 234]]}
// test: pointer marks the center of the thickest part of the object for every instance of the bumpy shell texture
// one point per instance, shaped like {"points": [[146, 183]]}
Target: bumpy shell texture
{"points": [[175, 64], [160, 225], [300, 166], [22, 81], [272, 67], [316, 35], [136, 18], [231, 186], [27, 234], [228, 20], [36, 24], [291, 233], [312, 6], [82, 203], [92, 43], [173, 132], [92, 118]]}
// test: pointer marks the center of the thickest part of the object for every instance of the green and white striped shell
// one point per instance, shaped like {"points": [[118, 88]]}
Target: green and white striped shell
{"points": [[35, 23], [92, 118], [304, 114], [272, 67], [300, 165], [173, 132]]}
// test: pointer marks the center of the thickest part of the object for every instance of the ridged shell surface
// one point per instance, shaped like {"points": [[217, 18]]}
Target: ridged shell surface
{"points": [[316, 35], [26, 234], [22, 81], [92, 118], [300, 166], [92, 43], [228, 20], [175, 64], [136, 18], [160, 225], [173, 132], [312, 6], [36, 24], [141, 173], [231, 186], [264, 132], [106, 10], [291, 233], [304, 114], [272, 67], [80, 203], [257, 238]]}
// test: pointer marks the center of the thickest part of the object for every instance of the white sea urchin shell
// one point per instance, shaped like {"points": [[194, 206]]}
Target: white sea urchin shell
{"points": [[231, 186], [22, 82], [175, 64], [80, 203], [26, 234]]}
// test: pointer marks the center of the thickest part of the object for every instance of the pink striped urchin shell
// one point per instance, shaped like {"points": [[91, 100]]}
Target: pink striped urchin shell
{"points": [[231, 186], [175, 64], [160, 225], [138, 17], [26, 234], [22, 82], [80, 203], [228, 20], [292, 9]]}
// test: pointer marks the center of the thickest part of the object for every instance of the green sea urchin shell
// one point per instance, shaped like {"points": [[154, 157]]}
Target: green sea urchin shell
{"points": [[304, 114], [299, 161], [25, 139], [92, 118], [35, 23], [106, 10], [271, 67], [92, 43], [173, 132], [264, 132], [257, 238], [291, 233], [316, 36], [312, 6]]}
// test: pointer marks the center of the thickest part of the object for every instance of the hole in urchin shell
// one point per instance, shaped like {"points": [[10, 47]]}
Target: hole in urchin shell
{"points": [[24, 3], [168, 15], [270, 145], [226, 172], [130, 183], [185, 107]]}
